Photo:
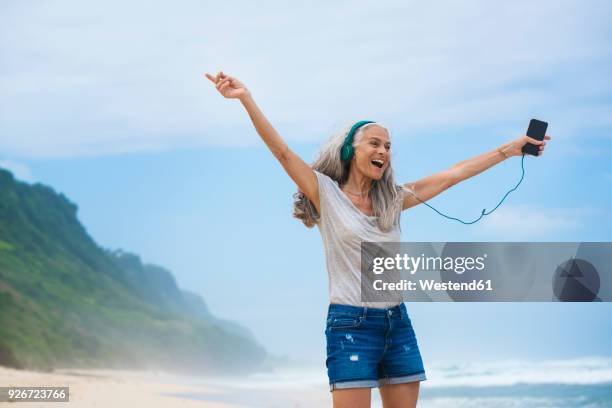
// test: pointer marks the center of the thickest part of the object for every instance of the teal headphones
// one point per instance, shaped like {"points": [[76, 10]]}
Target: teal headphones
{"points": [[347, 150]]}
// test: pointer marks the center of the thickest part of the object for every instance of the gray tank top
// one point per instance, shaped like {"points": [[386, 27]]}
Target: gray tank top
{"points": [[343, 227]]}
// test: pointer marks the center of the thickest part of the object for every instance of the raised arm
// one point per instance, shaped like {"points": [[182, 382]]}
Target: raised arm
{"points": [[430, 186], [296, 168]]}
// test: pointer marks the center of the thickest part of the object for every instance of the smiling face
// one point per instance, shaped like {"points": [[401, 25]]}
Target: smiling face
{"points": [[373, 152]]}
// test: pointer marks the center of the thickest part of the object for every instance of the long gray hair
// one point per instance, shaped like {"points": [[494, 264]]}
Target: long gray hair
{"points": [[386, 196]]}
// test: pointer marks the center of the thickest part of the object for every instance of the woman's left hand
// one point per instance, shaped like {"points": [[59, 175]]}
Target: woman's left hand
{"points": [[515, 148]]}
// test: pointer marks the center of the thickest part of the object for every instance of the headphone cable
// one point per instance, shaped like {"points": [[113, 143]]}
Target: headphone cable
{"points": [[484, 210]]}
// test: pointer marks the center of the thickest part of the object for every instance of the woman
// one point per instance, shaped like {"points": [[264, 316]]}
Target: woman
{"points": [[351, 195]]}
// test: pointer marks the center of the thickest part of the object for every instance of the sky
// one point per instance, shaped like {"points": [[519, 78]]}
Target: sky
{"points": [[107, 103]]}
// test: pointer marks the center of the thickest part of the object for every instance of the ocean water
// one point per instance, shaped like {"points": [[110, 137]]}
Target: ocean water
{"points": [[580, 383]]}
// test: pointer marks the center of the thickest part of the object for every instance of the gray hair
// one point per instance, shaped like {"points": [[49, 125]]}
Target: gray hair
{"points": [[386, 196]]}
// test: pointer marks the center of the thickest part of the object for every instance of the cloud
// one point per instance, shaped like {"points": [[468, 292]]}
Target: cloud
{"points": [[19, 170], [528, 222], [80, 79]]}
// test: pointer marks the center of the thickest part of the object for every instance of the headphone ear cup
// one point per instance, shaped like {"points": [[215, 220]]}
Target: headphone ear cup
{"points": [[347, 152]]}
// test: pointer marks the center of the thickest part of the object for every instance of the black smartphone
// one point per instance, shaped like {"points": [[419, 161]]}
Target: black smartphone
{"points": [[536, 130]]}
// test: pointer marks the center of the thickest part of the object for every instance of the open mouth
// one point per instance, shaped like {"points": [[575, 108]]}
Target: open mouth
{"points": [[378, 163]]}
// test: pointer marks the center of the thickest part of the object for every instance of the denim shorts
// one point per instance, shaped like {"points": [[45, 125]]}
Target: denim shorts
{"points": [[371, 347]]}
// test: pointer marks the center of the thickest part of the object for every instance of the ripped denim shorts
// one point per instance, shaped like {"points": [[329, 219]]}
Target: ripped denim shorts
{"points": [[371, 347]]}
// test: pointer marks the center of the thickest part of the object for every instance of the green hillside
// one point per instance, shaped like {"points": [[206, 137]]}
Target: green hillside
{"points": [[66, 302]]}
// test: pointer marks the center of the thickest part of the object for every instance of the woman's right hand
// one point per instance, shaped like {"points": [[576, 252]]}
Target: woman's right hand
{"points": [[228, 86]]}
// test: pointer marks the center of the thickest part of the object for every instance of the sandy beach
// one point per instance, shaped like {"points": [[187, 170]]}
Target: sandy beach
{"points": [[110, 388], [570, 383]]}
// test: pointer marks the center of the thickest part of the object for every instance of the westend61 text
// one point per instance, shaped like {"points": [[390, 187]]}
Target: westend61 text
{"points": [[431, 285]]}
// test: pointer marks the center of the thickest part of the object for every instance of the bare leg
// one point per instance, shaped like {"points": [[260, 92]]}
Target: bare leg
{"points": [[352, 398], [403, 395]]}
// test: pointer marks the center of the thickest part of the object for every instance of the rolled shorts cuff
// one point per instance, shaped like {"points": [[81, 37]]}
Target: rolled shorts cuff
{"points": [[402, 379], [377, 383], [353, 384]]}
